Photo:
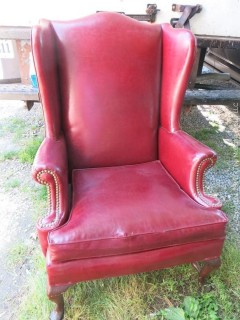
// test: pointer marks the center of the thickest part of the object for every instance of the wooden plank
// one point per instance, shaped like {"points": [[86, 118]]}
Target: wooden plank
{"points": [[12, 80], [214, 97], [15, 33], [195, 67], [213, 76], [204, 41], [192, 97], [223, 66], [18, 92]]}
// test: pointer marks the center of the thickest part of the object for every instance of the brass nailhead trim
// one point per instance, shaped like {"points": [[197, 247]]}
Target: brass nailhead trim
{"points": [[199, 192], [47, 225]]}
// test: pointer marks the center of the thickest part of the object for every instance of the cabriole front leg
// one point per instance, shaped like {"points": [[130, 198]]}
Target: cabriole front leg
{"points": [[55, 294], [58, 313], [206, 268]]}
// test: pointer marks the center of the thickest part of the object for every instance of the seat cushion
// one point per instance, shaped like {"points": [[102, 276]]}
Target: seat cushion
{"points": [[127, 209]]}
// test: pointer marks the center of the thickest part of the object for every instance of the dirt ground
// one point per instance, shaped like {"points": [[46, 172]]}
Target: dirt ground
{"points": [[17, 227]]}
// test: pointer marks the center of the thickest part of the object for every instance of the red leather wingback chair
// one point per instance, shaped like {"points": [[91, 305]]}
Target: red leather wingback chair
{"points": [[125, 183]]}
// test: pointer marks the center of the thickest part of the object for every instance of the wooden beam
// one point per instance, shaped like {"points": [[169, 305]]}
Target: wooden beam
{"points": [[214, 97], [15, 33], [213, 76], [204, 41], [192, 97], [18, 92]]}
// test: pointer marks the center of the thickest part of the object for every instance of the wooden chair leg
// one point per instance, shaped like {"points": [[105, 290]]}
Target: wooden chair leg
{"points": [[207, 267], [55, 294]]}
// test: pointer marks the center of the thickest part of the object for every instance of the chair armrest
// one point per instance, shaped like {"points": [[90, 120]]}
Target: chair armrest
{"points": [[50, 169], [187, 160]]}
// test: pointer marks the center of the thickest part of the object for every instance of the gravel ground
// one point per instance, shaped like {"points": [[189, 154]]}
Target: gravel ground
{"points": [[223, 182], [16, 211]]}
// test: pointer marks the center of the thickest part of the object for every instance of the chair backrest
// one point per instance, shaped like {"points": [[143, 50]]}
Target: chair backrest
{"points": [[108, 82], [102, 81]]}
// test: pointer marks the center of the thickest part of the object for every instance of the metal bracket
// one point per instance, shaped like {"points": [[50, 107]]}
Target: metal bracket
{"points": [[187, 13], [151, 11]]}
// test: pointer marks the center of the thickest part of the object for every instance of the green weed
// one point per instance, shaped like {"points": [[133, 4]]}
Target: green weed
{"points": [[39, 198], [17, 254], [41, 193], [12, 183], [237, 154], [8, 155], [14, 126], [210, 137], [35, 306], [226, 286], [27, 154], [203, 307], [204, 133], [228, 207]]}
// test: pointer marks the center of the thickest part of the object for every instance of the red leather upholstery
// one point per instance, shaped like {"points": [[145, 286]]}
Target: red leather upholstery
{"points": [[112, 90], [177, 56], [100, 127], [46, 67], [187, 159], [128, 209], [51, 169], [70, 272]]}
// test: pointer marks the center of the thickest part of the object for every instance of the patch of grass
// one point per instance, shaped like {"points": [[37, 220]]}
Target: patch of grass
{"points": [[38, 191], [12, 183], [204, 133], [221, 164], [209, 137], [8, 155], [14, 126], [17, 254], [39, 198], [206, 136], [29, 151], [228, 207], [228, 153], [34, 127], [237, 154], [35, 305], [18, 127], [203, 307], [138, 296], [129, 297], [225, 282], [40, 201], [41, 193]]}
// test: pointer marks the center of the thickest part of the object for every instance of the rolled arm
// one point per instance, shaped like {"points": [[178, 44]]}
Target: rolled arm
{"points": [[50, 169], [187, 160]]}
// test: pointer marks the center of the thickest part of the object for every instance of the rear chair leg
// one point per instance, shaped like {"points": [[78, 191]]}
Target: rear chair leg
{"points": [[55, 294], [207, 267]]}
